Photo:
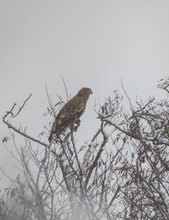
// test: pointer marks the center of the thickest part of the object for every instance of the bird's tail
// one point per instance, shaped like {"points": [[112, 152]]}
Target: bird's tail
{"points": [[50, 137]]}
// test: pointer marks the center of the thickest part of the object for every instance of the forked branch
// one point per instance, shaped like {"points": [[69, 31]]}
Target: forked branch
{"points": [[10, 126]]}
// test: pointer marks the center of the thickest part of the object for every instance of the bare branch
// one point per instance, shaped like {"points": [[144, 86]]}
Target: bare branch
{"points": [[10, 112]]}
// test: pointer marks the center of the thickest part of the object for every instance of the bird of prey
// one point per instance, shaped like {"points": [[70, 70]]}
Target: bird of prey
{"points": [[70, 113]]}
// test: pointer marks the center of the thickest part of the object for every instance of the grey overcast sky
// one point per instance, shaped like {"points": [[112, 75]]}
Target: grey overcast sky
{"points": [[91, 43]]}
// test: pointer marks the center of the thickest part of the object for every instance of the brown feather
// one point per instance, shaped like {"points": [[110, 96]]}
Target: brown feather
{"points": [[70, 113]]}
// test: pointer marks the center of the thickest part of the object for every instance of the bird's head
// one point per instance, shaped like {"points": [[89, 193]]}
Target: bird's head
{"points": [[85, 91]]}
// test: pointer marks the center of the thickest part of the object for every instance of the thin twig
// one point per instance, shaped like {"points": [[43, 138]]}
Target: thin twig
{"points": [[64, 83], [127, 95], [49, 101], [22, 106]]}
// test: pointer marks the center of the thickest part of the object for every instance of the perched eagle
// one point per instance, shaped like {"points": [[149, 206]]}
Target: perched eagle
{"points": [[70, 113]]}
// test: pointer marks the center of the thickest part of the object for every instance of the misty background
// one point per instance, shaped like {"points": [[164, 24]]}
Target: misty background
{"points": [[90, 44]]}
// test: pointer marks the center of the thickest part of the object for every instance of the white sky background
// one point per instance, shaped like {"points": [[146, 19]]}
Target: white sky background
{"points": [[91, 43]]}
